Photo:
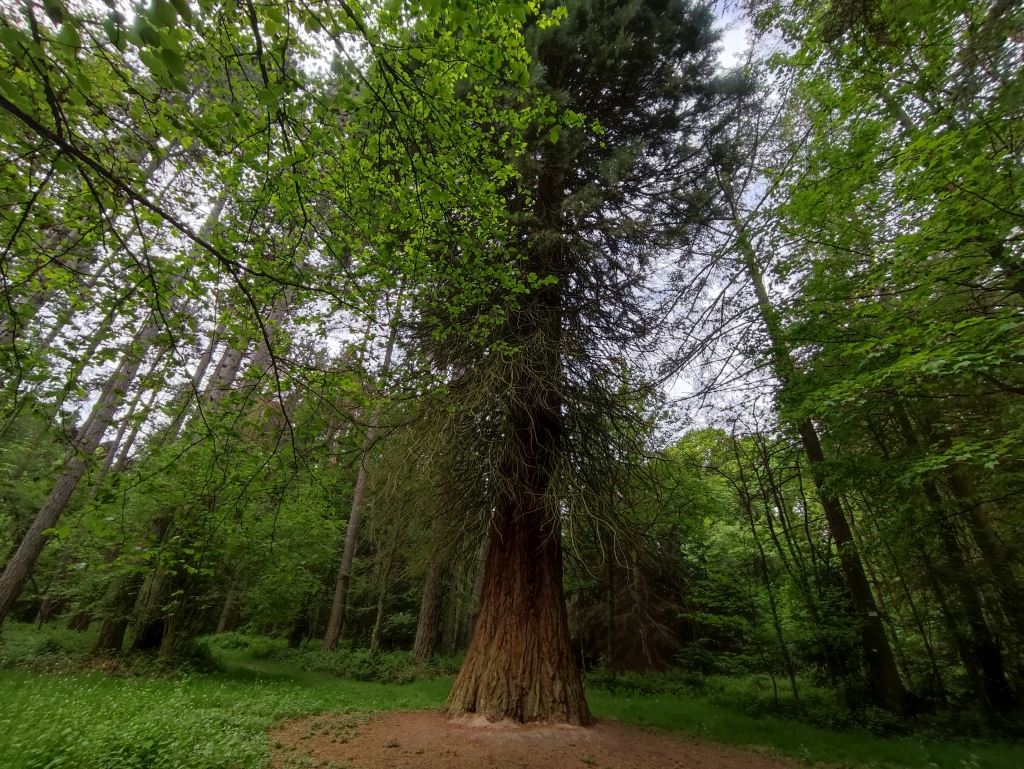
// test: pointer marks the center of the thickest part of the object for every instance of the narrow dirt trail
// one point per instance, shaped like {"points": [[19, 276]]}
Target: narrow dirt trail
{"points": [[427, 740]]}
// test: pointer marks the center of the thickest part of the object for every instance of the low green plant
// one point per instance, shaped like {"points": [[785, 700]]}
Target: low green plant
{"points": [[360, 664], [54, 649], [218, 721], [50, 648], [95, 721], [768, 735]]}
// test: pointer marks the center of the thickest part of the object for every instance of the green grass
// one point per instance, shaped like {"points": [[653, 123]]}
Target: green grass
{"points": [[93, 721], [783, 737], [219, 721]]}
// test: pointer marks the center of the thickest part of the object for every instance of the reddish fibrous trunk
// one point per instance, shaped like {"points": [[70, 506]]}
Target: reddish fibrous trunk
{"points": [[520, 663]]}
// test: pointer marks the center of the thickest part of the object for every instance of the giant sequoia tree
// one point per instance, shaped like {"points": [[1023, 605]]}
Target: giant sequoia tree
{"points": [[544, 419]]}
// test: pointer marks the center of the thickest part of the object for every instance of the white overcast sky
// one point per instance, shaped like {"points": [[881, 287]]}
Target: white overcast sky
{"points": [[734, 36]]}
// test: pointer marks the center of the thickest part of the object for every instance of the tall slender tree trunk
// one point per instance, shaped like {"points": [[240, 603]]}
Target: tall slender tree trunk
{"points": [[126, 447], [919, 621], [993, 551], [766, 577], [609, 564], [964, 645], [430, 612], [378, 621], [337, 618], [888, 687], [225, 374], [978, 650], [195, 382], [120, 447], [981, 650], [19, 568], [885, 676], [226, 621]]}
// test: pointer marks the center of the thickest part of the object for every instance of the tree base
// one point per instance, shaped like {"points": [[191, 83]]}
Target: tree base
{"points": [[520, 664]]}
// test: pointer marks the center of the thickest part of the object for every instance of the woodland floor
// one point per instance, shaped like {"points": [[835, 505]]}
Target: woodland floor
{"points": [[427, 740], [255, 708]]}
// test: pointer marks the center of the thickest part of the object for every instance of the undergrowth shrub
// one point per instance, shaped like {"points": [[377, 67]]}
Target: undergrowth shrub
{"points": [[54, 649], [49, 649], [359, 664]]}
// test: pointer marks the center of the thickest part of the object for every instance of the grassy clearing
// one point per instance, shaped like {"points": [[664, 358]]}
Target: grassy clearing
{"points": [[218, 721], [772, 736], [93, 721]]}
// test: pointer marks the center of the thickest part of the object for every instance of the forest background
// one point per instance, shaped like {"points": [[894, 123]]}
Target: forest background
{"points": [[282, 283]]}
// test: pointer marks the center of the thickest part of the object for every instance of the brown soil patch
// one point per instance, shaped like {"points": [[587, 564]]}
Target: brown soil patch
{"points": [[427, 740]]}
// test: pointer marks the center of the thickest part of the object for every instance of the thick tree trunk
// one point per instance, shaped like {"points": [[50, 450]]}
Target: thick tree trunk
{"points": [[80, 621], [125, 597], [169, 639], [149, 629], [430, 613], [119, 609], [520, 663]]}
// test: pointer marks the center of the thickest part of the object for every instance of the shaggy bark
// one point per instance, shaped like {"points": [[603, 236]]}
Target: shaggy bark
{"points": [[520, 664]]}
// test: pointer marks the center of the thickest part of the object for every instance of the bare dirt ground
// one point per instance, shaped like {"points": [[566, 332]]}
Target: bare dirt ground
{"points": [[427, 740]]}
